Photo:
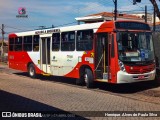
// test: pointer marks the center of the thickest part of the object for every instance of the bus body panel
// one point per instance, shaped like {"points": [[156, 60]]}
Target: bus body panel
{"points": [[17, 60], [83, 59], [63, 63], [20, 60]]}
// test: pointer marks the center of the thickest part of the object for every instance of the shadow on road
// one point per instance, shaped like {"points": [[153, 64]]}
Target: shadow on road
{"points": [[62, 80], [115, 88], [14, 103], [128, 88]]}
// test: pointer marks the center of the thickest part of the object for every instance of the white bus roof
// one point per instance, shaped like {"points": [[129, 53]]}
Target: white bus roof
{"points": [[62, 29]]}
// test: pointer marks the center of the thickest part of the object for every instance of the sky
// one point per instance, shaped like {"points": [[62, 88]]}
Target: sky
{"points": [[59, 12]]}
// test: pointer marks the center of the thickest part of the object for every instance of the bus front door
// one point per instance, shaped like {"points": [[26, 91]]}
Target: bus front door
{"points": [[101, 56], [45, 54]]}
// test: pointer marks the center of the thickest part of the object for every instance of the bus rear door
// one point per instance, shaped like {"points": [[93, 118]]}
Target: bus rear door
{"points": [[45, 54]]}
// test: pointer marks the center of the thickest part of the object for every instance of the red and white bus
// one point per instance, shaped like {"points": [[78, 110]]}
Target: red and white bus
{"points": [[110, 51]]}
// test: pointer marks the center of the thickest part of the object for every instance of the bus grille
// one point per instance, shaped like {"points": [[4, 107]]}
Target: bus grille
{"points": [[139, 69]]}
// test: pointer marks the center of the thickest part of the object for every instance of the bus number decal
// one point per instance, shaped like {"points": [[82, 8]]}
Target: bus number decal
{"points": [[89, 59]]}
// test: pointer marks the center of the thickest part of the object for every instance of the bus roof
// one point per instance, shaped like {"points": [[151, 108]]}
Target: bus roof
{"points": [[62, 29], [72, 28]]}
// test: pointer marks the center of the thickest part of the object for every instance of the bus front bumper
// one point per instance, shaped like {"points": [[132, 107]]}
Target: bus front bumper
{"points": [[124, 77]]}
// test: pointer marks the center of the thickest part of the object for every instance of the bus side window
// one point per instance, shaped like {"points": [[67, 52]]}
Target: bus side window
{"points": [[68, 41], [84, 40], [27, 43], [11, 44], [36, 43], [18, 44], [55, 41]]}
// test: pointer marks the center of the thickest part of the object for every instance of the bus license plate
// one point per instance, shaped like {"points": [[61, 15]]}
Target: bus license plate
{"points": [[141, 77]]}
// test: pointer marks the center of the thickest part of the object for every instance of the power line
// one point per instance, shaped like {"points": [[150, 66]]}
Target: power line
{"points": [[66, 24], [136, 4], [13, 27], [137, 10]]}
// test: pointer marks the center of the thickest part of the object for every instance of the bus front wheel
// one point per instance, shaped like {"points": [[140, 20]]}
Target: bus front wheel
{"points": [[88, 78], [31, 71]]}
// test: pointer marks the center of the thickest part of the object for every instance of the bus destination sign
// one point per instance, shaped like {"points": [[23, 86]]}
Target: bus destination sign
{"points": [[132, 26], [47, 31]]}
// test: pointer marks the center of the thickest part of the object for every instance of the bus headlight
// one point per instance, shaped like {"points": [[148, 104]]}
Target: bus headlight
{"points": [[121, 65]]}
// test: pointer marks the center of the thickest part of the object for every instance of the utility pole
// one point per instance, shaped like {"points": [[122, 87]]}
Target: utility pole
{"points": [[115, 9], [2, 53], [154, 20], [145, 13]]}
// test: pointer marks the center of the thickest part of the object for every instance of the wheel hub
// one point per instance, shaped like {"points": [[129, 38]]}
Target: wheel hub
{"points": [[31, 71], [85, 78]]}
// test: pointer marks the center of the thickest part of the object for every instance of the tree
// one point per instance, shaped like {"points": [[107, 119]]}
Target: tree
{"points": [[155, 7]]}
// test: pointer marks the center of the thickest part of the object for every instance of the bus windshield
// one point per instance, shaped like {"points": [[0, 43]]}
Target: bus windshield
{"points": [[135, 46]]}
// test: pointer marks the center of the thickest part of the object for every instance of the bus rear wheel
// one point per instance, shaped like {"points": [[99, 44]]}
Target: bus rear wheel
{"points": [[88, 78], [31, 71]]}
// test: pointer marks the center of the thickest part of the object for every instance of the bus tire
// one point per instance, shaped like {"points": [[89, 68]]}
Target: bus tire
{"points": [[32, 71], [88, 78]]}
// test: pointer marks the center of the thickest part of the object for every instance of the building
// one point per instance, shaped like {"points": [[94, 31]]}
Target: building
{"points": [[149, 17], [106, 16]]}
